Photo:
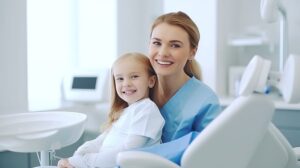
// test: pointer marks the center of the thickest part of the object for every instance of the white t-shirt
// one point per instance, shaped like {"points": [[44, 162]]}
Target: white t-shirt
{"points": [[139, 125]]}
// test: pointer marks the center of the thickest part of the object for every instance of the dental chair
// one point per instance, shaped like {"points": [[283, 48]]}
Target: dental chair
{"points": [[242, 136]]}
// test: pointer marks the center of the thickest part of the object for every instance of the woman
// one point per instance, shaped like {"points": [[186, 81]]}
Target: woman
{"points": [[187, 104]]}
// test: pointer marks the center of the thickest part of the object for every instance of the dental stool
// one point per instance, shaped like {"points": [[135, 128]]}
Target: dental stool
{"points": [[242, 136]]}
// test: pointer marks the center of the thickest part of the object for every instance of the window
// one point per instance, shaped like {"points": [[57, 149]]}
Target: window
{"points": [[62, 36]]}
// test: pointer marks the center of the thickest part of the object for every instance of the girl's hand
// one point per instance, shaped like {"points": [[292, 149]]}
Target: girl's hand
{"points": [[64, 163]]}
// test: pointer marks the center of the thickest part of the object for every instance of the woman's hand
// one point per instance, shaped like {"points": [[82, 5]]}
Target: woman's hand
{"points": [[64, 163]]}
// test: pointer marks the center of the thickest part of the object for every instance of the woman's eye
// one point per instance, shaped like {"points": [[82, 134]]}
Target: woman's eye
{"points": [[175, 46], [157, 43]]}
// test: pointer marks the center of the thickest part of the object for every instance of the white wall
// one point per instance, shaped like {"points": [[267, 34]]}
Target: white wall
{"points": [[13, 66], [134, 21], [294, 25], [226, 23]]}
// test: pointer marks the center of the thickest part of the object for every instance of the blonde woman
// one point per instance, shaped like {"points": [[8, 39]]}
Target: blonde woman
{"points": [[187, 104], [134, 120]]}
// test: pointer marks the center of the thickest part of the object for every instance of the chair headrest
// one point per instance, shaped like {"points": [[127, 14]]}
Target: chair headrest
{"points": [[290, 80], [255, 76]]}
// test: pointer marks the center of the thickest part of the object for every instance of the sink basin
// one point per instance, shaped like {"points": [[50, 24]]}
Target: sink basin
{"points": [[39, 131]]}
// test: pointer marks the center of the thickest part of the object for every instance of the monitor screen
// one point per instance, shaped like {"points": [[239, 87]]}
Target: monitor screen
{"points": [[84, 82], [88, 86]]}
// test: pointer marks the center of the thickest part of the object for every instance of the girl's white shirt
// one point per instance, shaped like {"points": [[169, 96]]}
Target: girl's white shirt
{"points": [[139, 125]]}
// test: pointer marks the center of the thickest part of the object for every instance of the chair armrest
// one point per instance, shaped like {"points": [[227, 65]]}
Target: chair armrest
{"points": [[139, 159], [297, 153]]}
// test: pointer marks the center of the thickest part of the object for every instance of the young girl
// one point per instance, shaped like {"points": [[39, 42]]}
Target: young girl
{"points": [[134, 120]]}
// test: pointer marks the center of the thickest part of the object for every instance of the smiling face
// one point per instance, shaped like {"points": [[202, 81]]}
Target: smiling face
{"points": [[132, 79], [169, 49]]}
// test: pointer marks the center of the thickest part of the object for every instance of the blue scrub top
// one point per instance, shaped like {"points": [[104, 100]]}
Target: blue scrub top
{"points": [[192, 107], [186, 114]]}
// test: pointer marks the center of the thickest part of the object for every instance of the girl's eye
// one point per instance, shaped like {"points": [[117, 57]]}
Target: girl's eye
{"points": [[119, 79], [134, 76]]}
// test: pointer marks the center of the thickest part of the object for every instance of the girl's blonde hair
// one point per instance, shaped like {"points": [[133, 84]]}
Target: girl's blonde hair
{"points": [[183, 21], [118, 104]]}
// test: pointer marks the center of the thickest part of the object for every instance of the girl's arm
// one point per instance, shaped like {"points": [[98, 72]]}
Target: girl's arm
{"points": [[135, 141], [107, 157], [64, 163], [91, 146]]}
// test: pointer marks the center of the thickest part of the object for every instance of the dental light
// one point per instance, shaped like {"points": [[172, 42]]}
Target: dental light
{"points": [[269, 10]]}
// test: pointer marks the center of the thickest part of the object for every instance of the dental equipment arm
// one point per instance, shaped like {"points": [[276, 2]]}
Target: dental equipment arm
{"points": [[269, 12]]}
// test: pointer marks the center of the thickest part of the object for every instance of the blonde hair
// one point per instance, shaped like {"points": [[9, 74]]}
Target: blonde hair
{"points": [[118, 104], [183, 21]]}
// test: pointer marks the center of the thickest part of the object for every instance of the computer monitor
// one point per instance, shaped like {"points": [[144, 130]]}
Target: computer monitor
{"points": [[87, 86]]}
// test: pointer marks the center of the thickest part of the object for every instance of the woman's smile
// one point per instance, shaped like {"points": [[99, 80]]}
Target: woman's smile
{"points": [[164, 62]]}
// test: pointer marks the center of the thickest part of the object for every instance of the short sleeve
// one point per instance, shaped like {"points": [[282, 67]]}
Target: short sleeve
{"points": [[147, 121]]}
